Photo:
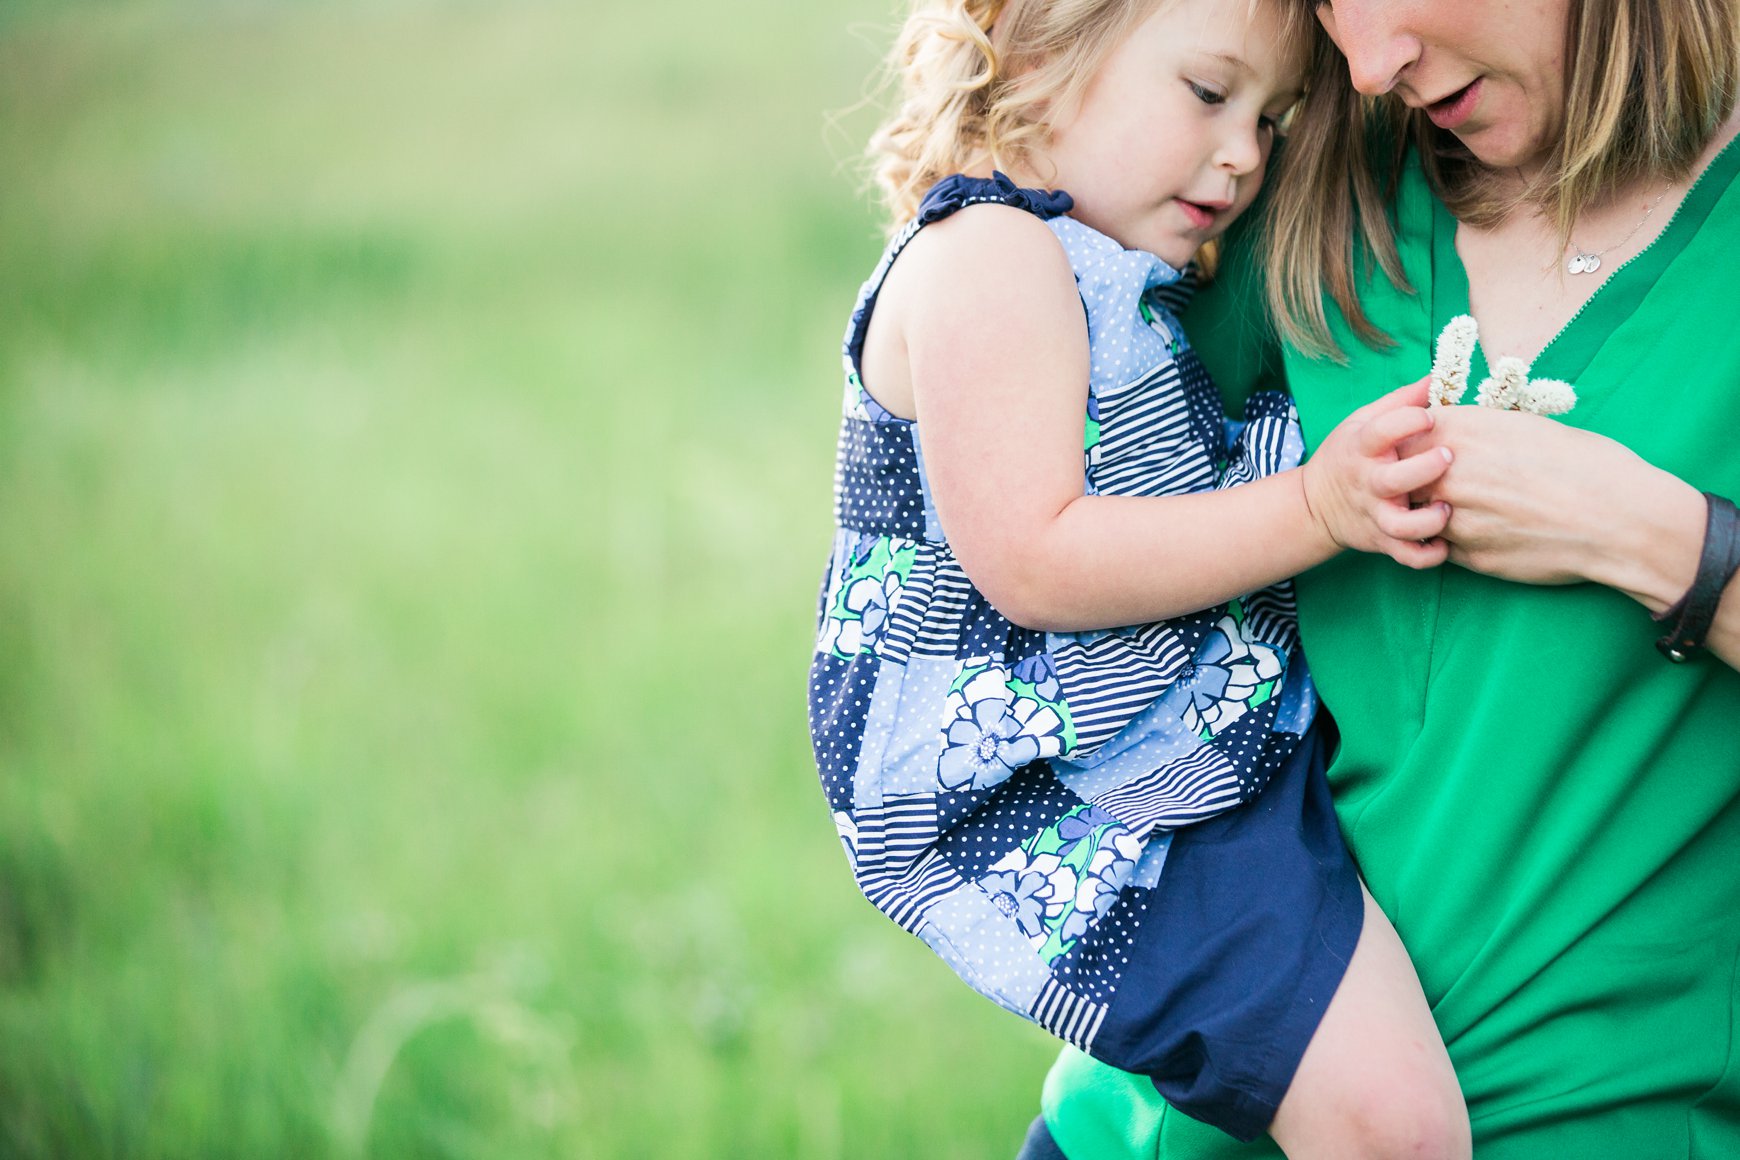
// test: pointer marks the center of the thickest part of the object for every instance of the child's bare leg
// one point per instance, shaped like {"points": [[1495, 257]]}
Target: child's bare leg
{"points": [[1375, 1081]]}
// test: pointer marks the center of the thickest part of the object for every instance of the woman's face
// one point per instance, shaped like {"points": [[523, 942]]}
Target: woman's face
{"points": [[1489, 71]]}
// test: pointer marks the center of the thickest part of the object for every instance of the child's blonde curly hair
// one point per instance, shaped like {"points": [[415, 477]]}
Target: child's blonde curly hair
{"points": [[981, 80]]}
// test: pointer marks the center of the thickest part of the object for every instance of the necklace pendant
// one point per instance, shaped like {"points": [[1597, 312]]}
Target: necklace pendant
{"points": [[1581, 263]]}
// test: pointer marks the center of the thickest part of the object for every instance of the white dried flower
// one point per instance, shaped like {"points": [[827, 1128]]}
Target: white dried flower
{"points": [[1504, 390], [1509, 388], [1548, 396], [1451, 360]]}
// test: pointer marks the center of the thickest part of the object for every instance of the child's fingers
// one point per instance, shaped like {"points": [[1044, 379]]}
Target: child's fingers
{"points": [[1405, 476], [1400, 522], [1417, 554], [1415, 394], [1384, 430]]}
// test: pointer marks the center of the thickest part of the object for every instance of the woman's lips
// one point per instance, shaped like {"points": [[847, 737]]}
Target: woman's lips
{"points": [[1456, 108]]}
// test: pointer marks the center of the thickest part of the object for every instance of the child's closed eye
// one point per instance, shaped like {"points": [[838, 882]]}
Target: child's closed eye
{"points": [[1206, 94]]}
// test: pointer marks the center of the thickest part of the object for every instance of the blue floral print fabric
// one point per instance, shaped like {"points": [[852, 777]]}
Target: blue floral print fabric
{"points": [[1008, 795]]}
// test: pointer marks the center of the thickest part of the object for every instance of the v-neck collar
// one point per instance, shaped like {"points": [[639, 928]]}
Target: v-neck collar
{"points": [[1569, 352]]}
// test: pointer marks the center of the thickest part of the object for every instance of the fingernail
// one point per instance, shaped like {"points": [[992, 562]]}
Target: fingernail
{"points": [[1445, 452], [1445, 507]]}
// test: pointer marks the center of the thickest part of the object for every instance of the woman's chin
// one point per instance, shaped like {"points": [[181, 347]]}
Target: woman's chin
{"points": [[1504, 146]]}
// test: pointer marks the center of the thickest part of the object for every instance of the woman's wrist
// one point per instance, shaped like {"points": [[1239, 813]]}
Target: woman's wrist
{"points": [[1653, 540], [1690, 618]]}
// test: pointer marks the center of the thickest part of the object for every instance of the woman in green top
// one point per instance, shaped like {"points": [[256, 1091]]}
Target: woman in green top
{"points": [[1547, 809]]}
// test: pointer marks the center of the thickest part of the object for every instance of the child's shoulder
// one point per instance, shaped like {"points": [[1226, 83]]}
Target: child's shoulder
{"points": [[985, 293], [988, 248]]}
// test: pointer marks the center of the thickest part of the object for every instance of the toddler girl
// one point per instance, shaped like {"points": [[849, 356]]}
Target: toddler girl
{"points": [[1057, 701]]}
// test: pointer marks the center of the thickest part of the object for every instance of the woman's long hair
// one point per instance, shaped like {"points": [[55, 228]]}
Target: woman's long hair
{"points": [[1647, 85]]}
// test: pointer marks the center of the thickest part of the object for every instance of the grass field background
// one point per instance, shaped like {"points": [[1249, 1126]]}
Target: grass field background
{"points": [[416, 424]]}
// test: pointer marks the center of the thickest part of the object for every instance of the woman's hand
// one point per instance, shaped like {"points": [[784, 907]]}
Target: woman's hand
{"points": [[1358, 480], [1537, 501]]}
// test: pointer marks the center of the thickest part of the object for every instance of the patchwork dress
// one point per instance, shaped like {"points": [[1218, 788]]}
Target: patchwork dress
{"points": [[1012, 796]]}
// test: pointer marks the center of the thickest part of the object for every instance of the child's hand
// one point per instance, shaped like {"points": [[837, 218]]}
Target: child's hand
{"points": [[1357, 482]]}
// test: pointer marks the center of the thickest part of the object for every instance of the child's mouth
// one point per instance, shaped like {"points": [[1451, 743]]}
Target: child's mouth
{"points": [[1201, 216]]}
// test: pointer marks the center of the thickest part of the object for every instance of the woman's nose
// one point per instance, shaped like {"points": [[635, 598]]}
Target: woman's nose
{"points": [[1370, 34]]}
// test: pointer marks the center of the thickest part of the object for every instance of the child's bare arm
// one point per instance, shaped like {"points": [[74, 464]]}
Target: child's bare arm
{"points": [[997, 349]]}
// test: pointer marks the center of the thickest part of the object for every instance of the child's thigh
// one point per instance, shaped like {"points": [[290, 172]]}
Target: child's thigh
{"points": [[1375, 1080]]}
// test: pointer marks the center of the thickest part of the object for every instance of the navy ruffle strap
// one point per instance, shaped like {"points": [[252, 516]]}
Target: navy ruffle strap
{"points": [[944, 198], [952, 193]]}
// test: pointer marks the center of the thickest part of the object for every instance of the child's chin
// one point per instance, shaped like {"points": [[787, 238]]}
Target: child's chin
{"points": [[1177, 255]]}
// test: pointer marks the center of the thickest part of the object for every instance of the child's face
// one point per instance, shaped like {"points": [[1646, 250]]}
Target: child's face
{"points": [[1173, 132]]}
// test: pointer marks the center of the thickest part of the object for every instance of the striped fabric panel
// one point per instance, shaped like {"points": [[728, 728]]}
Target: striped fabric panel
{"points": [[1238, 472], [1134, 413], [909, 828], [1152, 441], [1071, 1017], [1180, 474], [906, 897], [1261, 448], [1272, 616], [870, 845], [1194, 787], [900, 630], [1266, 440], [940, 633], [1153, 386], [1109, 680]]}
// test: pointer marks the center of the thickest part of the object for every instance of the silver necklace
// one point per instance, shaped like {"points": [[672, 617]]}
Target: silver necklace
{"points": [[1584, 261]]}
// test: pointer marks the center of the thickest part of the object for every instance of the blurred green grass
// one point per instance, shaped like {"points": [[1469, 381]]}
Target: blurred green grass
{"points": [[415, 435]]}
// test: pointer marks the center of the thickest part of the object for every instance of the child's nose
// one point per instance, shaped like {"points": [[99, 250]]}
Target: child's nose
{"points": [[1241, 152]]}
